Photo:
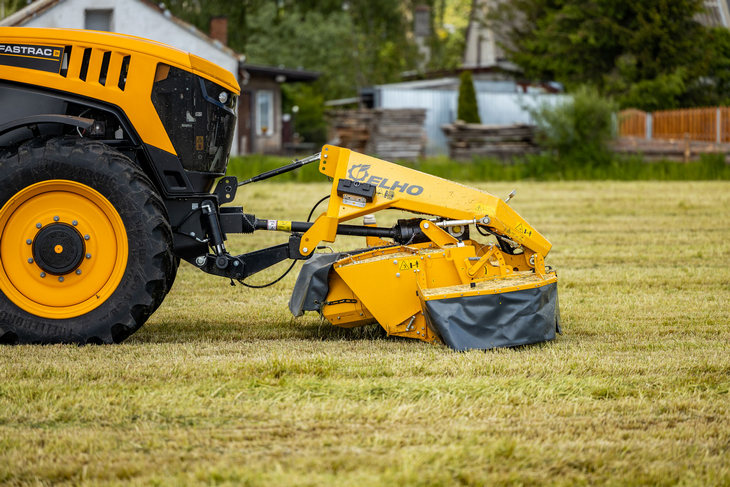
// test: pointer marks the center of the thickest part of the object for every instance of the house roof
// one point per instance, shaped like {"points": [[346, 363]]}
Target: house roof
{"points": [[289, 75], [39, 7]]}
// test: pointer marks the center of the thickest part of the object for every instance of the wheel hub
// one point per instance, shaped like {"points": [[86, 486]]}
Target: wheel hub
{"points": [[58, 249]]}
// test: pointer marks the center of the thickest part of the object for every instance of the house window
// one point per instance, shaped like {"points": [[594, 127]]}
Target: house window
{"points": [[264, 112], [98, 19]]}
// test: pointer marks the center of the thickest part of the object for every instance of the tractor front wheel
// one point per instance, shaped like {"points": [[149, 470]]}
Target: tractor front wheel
{"points": [[85, 245]]}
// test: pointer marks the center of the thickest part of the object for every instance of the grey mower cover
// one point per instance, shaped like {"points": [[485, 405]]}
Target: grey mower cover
{"points": [[496, 320], [312, 286]]}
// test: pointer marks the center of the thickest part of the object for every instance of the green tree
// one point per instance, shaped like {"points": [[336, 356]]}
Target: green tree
{"points": [[646, 53], [468, 109]]}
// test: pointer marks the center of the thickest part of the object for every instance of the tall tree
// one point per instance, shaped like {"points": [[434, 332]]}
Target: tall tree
{"points": [[647, 53]]}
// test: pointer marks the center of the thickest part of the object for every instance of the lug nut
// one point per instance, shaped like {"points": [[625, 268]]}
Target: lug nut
{"points": [[74, 223], [43, 274], [87, 237], [29, 241], [60, 278], [30, 261], [88, 256], [38, 225], [55, 218], [78, 272]]}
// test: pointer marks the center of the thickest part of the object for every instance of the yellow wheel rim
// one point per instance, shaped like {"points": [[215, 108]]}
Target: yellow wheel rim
{"points": [[86, 219]]}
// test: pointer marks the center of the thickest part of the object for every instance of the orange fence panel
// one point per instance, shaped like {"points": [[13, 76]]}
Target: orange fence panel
{"points": [[632, 123], [692, 123]]}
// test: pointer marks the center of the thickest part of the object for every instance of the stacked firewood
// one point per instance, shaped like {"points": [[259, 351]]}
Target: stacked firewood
{"points": [[467, 140], [351, 128], [388, 133]]}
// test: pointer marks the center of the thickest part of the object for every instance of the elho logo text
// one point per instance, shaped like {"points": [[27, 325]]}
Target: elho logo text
{"points": [[359, 172]]}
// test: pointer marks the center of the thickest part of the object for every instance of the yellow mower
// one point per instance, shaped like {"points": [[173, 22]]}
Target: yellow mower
{"points": [[113, 152]]}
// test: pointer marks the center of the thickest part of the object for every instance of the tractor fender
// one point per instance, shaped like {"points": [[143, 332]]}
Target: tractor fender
{"points": [[54, 118]]}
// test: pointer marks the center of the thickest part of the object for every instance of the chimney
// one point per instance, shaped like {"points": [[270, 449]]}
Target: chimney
{"points": [[219, 29], [422, 32]]}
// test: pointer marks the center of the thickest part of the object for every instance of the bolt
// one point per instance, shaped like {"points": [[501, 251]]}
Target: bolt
{"points": [[88, 256], [78, 272], [425, 225], [305, 250], [38, 225], [395, 261], [43, 274], [192, 234], [55, 218], [325, 156], [74, 223], [29, 241], [87, 237], [60, 278], [235, 263], [397, 274], [200, 261], [30, 261]]}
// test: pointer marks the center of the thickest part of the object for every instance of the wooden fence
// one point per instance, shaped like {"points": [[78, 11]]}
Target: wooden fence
{"points": [[705, 124]]}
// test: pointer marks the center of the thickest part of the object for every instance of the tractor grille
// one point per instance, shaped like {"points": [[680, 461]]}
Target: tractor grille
{"points": [[110, 68]]}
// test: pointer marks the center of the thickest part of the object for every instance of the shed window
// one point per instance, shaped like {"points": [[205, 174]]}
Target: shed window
{"points": [[98, 19], [264, 112]]}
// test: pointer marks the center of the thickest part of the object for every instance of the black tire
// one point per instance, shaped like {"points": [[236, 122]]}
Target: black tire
{"points": [[150, 264]]}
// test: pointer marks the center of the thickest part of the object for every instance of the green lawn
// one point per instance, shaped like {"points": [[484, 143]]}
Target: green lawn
{"points": [[223, 386]]}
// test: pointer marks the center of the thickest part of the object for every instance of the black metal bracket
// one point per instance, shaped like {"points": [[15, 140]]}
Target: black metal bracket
{"points": [[356, 188], [226, 189], [241, 266]]}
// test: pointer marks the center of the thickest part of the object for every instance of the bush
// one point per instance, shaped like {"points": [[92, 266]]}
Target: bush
{"points": [[310, 121], [468, 109], [576, 132]]}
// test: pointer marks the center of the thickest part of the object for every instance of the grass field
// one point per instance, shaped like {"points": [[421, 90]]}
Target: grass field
{"points": [[222, 386]]}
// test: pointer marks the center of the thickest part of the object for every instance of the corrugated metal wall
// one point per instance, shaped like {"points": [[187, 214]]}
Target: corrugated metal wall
{"points": [[441, 108]]}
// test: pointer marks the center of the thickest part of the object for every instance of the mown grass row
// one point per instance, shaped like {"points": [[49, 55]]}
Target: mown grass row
{"points": [[224, 387]]}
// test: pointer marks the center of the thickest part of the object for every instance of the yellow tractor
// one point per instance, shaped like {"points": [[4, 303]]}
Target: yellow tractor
{"points": [[113, 153]]}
